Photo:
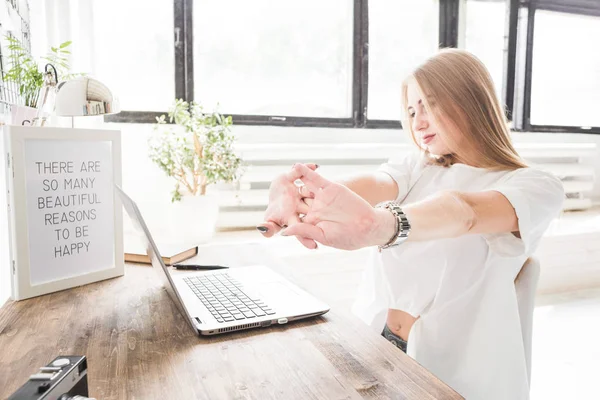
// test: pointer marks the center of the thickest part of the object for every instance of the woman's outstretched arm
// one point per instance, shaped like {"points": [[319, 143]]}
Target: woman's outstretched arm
{"points": [[339, 218]]}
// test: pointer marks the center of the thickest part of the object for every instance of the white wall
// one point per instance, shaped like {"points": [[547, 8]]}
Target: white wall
{"points": [[144, 180], [146, 183], [569, 138], [4, 256]]}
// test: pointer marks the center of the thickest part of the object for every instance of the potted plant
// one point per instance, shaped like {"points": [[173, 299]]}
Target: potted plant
{"points": [[24, 73], [196, 149]]}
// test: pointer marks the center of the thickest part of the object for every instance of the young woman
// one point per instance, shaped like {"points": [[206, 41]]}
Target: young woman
{"points": [[466, 213]]}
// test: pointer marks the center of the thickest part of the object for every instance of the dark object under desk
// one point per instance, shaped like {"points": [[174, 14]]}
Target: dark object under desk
{"points": [[139, 346]]}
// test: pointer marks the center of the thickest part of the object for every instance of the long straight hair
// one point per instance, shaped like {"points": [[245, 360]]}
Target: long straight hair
{"points": [[461, 96]]}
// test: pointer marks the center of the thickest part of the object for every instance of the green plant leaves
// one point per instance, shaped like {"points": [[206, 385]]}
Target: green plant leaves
{"points": [[24, 71], [198, 151]]}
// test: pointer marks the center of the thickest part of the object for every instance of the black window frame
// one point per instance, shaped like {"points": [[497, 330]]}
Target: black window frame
{"points": [[519, 61], [517, 71], [184, 72]]}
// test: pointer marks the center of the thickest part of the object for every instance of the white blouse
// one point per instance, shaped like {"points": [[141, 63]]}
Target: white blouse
{"points": [[468, 333]]}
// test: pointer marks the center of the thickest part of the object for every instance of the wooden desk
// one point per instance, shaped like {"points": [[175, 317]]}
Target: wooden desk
{"points": [[139, 346]]}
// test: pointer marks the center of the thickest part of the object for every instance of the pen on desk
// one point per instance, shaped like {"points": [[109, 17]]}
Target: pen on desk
{"points": [[197, 267]]}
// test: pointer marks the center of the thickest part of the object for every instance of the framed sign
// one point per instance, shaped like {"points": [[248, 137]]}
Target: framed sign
{"points": [[65, 223]]}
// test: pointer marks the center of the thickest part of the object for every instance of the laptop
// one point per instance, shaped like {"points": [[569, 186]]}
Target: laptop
{"points": [[219, 301]]}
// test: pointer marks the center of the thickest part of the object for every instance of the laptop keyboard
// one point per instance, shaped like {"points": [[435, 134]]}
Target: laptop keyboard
{"points": [[225, 299]]}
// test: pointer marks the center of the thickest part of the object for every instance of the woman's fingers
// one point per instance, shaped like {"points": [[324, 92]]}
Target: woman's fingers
{"points": [[306, 231], [268, 229], [312, 180], [308, 243], [302, 207], [294, 174], [305, 192]]}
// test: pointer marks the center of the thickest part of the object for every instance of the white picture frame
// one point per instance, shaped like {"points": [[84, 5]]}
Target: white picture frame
{"points": [[65, 220]]}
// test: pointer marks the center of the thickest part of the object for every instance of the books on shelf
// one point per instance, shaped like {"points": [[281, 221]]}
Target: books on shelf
{"points": [[93, 107]]}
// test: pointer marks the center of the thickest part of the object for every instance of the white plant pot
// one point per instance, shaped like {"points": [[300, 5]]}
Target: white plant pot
{"points": [[194, 218], [22, 113]]}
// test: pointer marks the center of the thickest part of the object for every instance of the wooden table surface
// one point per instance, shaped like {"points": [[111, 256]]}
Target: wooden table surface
{"points": [[139, 346]]}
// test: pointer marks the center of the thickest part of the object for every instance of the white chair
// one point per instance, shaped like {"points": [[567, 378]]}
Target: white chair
{"points": [[525, 286]]}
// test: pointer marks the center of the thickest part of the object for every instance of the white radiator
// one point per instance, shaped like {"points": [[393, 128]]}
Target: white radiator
{"points": [[244, 205]]}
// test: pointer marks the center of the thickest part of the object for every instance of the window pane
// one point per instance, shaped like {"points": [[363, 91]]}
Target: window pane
{"points": [[566, 70], [134, 52], [272, 57], [402, 34], [485, 36]]}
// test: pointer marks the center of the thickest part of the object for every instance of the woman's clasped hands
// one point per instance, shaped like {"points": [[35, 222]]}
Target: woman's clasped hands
{"points": [[322, 211]]}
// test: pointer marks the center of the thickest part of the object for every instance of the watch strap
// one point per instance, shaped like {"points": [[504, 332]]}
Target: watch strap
{"points": [[402, 224]]}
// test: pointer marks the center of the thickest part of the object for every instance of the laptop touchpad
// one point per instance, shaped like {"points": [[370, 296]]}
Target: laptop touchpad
{"points": [[277, 291]]}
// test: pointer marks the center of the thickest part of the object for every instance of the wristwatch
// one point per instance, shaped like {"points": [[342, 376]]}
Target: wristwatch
{"points": [[402, 224]]}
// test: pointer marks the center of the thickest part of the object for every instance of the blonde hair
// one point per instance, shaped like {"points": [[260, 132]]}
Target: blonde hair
{"points": [[460, 94]]}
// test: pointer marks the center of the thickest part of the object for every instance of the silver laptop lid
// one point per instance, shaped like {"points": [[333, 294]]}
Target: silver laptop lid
{"points": [[152, 251]]}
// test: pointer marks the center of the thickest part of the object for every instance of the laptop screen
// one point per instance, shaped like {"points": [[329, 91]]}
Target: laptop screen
{"points": [[138, 221]]}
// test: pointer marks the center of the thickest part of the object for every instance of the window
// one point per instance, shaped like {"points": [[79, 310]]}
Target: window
{"points": [[565, 70], [402, 34], [485, 26], [143, 36], [294, 63], [272, 57], [341, 63]]}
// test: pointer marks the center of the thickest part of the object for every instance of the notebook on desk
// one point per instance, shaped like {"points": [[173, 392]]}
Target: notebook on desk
{"points": [[170, 253], [215, 302]]}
